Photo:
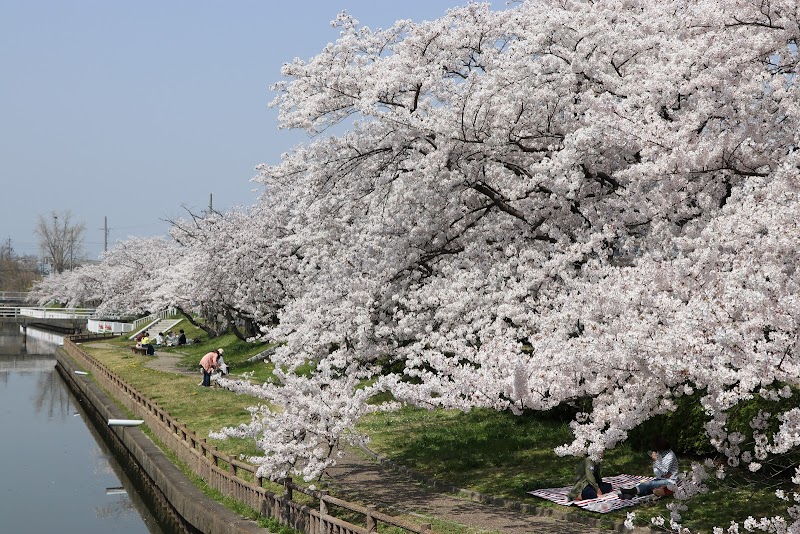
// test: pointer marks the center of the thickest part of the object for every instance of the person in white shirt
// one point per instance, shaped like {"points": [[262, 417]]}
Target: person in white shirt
{"points": [[172, 339], [665, 469]]}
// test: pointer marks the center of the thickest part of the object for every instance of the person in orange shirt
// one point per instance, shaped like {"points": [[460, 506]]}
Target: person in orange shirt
{"points": [[209, 363]]}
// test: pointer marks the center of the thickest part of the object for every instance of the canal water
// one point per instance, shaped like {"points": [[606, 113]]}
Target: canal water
{"points": [[56, 472]]}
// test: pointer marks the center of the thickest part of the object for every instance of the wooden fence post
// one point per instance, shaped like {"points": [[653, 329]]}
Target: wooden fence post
{"points": [[372, 525], [287, 500], [323, 512], [287, 487]]}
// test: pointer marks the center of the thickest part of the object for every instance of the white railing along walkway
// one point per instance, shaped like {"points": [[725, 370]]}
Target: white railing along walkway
{"points": [[13, 295], [46, 313], [144, 322], [163, 314]]}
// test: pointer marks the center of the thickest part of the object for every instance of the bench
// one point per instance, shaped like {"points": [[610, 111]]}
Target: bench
{"points": [[138, 350]]}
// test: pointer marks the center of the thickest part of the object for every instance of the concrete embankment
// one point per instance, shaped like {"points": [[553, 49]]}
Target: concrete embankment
{"points": [[189, 510]]}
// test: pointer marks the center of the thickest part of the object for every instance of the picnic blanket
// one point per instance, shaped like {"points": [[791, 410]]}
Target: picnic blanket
{"points": [[608, 502]]}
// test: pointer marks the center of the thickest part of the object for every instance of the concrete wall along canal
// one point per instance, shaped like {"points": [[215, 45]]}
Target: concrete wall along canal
{"points": [[197, 512]]}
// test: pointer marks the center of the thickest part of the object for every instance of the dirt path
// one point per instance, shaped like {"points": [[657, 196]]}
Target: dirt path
{"points": [[167, 361], [359, 477], [162, 361]]}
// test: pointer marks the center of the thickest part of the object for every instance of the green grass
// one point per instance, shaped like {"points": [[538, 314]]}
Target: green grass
{"points": [[235, 353], [201, 409], [482, 450], [505, 455]]}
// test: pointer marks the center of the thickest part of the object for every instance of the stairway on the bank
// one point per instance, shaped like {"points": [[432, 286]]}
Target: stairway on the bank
{"points": [[161, 325]]}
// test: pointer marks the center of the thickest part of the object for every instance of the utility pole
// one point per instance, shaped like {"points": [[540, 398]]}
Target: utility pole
{"points": [[105, 233], [60, 247], [210, 202]]}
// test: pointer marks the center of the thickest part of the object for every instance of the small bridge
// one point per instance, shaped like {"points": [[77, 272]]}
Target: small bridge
{"points": [[65, 320], [11, 298]]}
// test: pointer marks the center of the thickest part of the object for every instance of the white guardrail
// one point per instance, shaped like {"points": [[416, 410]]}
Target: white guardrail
{"points": [[94, 325], [100, 326], [46, 313], [163, 314], [19, 296]]}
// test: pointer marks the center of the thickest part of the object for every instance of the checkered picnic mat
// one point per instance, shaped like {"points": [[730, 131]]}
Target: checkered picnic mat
{"points": [[608, 502]]}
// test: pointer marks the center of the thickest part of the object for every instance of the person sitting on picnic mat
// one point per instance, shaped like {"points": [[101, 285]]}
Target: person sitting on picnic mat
{"points": [[665, 469], [589, 484]]}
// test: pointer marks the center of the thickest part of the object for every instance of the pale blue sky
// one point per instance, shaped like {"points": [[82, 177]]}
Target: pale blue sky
{"points": [[132, 110]]}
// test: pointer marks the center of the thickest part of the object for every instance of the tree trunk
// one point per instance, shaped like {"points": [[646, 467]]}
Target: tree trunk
{"points": [[208, 330]]}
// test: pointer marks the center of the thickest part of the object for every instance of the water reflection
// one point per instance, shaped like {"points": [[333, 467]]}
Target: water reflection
{"points": [[118, 509], [16, 340], [122, 501], [26, 363], [11, 342], [40, 341], [52, 399], [53, 459]]}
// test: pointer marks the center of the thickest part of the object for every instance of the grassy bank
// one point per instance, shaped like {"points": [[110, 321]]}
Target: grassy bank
{"points": [[493, 453], [208, 409], [506, 455], [202, 409]]}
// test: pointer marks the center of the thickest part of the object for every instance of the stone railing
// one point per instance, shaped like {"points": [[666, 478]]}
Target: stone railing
{"points": [[224, 473]]}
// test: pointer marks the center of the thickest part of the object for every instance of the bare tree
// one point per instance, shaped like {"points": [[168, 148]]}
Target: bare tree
{"points": [[18, 273], [60, 239], [6, 250]]}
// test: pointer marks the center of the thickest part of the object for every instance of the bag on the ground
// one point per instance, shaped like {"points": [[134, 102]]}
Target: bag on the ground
{"points": [[663, 491]]}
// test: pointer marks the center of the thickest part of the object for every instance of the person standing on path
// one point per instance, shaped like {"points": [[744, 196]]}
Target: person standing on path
{"points": [[209, 363]]}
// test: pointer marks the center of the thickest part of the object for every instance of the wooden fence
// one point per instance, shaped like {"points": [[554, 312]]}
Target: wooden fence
{"points": [[222, 472]]}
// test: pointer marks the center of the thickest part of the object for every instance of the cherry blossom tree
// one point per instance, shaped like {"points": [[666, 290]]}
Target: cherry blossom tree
{"points": [[209, 268], [516, 209], [558, 200], [235, 270], [128, 281], [73, 288]]}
